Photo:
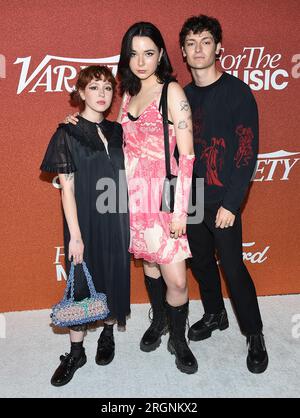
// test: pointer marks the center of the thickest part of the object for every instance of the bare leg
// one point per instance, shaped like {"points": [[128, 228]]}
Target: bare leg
{"points": [[76, 336], [109, 321], [175, 277], [151, 270]]}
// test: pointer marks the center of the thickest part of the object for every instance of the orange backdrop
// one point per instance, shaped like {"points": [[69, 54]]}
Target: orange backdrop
{"points": [[43, 44]]}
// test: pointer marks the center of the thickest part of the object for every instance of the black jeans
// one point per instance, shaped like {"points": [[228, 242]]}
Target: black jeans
{"points": [[204, 240]]}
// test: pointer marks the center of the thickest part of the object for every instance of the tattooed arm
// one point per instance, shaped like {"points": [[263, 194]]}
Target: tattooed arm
{"points": [[76, 246], [180, 115]]}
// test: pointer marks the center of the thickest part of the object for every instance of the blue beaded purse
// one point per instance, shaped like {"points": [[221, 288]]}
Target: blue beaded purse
{"points": [[68, 312]]}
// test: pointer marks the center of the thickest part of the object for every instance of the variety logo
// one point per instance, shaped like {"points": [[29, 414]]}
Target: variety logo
{"points": [[54, 74], [259, 70], [275, 164]]}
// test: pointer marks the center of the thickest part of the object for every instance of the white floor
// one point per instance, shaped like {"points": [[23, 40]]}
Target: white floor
{"points": [[30, 353]]}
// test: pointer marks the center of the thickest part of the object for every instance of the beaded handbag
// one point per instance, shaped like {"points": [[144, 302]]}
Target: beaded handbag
{"points": [[68, 312]]}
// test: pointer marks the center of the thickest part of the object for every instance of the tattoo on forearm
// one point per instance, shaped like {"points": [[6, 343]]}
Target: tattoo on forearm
{"points": [[182, 124], [69, 176], [184, 105]]}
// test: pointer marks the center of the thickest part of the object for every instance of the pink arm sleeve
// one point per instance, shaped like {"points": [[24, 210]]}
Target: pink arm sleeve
{"points": [[183, 187]]}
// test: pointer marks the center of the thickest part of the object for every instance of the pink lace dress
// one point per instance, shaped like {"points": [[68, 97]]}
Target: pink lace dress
{"points": [[145, 170]]}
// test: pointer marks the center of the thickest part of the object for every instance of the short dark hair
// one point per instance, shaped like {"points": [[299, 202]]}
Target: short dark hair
{"points": [[129, 82], [198, 24], [85, 76]]}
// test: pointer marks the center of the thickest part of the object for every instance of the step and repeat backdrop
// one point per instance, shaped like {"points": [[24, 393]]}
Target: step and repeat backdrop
{"points": [[43, 45]]}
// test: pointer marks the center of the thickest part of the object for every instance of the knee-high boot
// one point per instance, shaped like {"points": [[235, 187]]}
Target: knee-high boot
{"points": [[185, 360], [159, 325]]}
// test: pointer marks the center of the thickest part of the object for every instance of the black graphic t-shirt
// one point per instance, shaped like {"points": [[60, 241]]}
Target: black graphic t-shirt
{"points": [[225, 125]]}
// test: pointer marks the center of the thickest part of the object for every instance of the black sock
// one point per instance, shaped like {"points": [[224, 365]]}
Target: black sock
{"points": [[77, 349], [108, 329]]}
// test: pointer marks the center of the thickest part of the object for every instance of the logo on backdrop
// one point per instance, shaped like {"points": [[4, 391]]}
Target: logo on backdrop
{"points": [[250, 253], [255, 257], [57, 74], [271, 166], [2, 66], [295, 73], [258, 69], [58, 262], [275, 166]]}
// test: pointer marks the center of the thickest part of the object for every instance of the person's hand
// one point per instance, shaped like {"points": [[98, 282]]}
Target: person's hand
{"points": [[76, 249], [224, 218], [178, 227], [71, 119]]}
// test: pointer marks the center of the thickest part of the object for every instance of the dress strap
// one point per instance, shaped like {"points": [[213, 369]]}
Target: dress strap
{"points": [[160, 102]]}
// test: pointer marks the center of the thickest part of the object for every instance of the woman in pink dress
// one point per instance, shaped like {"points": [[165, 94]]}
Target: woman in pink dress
{"points": [[159, 238]]}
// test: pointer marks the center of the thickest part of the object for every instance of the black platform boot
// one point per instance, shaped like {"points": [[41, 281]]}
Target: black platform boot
{"points": [[106, 346], [68, 366], [257, 359], [185, 360], [203, 329], [159, 325]]}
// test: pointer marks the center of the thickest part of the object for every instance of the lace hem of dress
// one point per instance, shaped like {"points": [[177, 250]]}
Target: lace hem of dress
{"points": [[65, 169], [154, 258]]}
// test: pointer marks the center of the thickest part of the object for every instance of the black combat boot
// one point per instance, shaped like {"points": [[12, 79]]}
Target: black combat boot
{"points": [[257, 359], [68, 366], [203, 329], [106, 346], [159, 325], [185, 360]]}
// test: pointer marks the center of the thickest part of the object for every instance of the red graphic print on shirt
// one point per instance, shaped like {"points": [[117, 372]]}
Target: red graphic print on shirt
{"points": [[198, 125], [245, 151], [214, 158]]}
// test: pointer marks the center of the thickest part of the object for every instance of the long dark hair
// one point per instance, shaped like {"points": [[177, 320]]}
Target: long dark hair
{"points": [[130, 83]]}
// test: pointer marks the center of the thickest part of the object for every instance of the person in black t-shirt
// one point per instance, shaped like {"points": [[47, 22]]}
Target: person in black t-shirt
{"points": [[225, 127]]}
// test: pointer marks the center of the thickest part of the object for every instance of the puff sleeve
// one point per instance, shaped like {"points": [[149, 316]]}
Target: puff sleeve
{"points": [[58, 157]]}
